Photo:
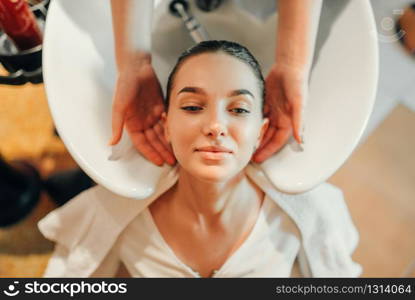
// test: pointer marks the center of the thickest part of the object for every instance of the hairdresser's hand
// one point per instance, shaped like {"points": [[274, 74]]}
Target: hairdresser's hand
{"points": [[138, 104], [285, 93]]}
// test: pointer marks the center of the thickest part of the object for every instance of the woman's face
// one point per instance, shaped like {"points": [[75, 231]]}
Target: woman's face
{"points": [[214, 121]]}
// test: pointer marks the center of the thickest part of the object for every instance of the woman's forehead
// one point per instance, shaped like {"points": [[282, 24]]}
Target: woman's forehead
{"points": [[216, 72]]}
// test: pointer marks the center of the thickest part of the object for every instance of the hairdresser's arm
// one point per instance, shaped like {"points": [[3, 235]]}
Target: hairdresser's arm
{"points": [[286, 84], [138, 100], [131, 21]]}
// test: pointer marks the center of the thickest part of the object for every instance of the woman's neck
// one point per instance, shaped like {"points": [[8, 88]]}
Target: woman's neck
{"points": [[217, 203]]}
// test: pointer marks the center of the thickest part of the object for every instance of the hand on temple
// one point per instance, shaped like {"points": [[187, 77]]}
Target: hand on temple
{"points": [[285, 96], [138, 104]]}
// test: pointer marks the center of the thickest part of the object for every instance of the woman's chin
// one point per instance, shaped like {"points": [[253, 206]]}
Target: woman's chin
{"points": [[212, 174]]}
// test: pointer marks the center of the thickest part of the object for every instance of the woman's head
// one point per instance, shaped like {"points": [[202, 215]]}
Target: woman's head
{"points": [[214, 118], [231, 48]]}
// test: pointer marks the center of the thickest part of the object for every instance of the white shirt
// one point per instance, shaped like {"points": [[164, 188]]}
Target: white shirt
{"points": [[269, 250], [87, 228]]}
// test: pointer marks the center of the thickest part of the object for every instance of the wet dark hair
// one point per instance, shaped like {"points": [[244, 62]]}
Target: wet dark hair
{"points": [[231, 48]]}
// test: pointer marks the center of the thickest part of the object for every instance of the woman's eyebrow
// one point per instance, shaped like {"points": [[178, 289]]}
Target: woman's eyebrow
{"points": [[192, 89], [198, 90], [240, 92]]}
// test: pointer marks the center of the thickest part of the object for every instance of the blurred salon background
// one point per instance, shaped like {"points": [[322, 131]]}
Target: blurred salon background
{"points": [[37, 174]]}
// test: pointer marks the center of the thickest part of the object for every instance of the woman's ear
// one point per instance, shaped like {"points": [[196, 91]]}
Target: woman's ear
{"points": [[264, 127], [165, 129]]}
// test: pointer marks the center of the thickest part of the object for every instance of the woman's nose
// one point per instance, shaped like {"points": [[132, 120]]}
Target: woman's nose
{"points": [[215, 125]]}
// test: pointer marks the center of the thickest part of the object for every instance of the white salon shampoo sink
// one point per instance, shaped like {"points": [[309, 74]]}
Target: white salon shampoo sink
{"points": [[79, 75]]}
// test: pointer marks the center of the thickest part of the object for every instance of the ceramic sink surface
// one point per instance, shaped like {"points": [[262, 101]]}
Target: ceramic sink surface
{"points": [[79, 74]]}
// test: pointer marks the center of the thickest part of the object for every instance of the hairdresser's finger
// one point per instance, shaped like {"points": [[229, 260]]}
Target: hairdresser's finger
{"points": [[159, 130], [296, 119], [276, 143], [278, 140], [261, 153], [268, 135], [117, 125], [152, 117], [266, 108], [122, 97], [155, 142], [158, 145], [270, 100], [169, 155], [145, 148], [158, 109]]}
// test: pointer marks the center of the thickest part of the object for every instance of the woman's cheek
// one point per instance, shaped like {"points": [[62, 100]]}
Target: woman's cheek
{"points": [[246, 136], [183, 139]]}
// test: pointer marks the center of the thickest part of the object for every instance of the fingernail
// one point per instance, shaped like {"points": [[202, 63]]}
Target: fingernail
{"points": [[295, 145], [113, 156], [116, 154], [302, 133], [300, 147]]}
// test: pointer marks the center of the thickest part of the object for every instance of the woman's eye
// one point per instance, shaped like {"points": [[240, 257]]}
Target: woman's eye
{"points": [[240, 110], [191, 108]]}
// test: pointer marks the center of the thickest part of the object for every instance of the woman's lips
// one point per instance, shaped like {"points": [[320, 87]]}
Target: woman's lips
{"points": [[214, 149], [214, 152], [214, 155]]}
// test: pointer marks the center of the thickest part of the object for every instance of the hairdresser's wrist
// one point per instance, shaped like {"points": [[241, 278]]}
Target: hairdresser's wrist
{"points": [[133, 61], [292, 48], [283, 67], [291, 56]]}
